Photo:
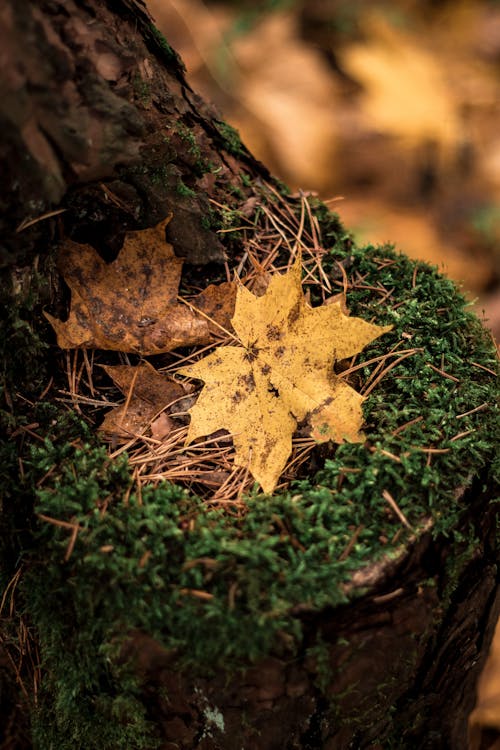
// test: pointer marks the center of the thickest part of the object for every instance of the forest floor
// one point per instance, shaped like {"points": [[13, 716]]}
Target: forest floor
{"points": [[390, 112]]}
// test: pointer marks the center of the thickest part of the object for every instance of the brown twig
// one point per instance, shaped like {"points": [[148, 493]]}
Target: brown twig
{"points": [[392, 503]]}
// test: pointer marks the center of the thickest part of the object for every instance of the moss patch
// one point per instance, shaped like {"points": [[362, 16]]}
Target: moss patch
{"points": [[231, 138], [161, 44]]}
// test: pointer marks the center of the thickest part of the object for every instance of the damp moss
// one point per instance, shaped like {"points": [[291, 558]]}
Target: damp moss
{"points": [[24, 374], [246, 179], [231, 138], [187, 136], [142, 88], [183, 190], [168, 52], [159, 175], [102, 562]]}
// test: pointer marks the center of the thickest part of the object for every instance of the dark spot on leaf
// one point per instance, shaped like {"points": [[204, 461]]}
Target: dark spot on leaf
{"points": [[81, 277], [269, 445], [274, 333], [147, 275], [280, 351], [294, 313], [248, 381], [251, 353], [266, 369]]}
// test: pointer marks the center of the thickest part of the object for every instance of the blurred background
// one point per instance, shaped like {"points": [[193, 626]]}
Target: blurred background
{"points": [[390, 111]]}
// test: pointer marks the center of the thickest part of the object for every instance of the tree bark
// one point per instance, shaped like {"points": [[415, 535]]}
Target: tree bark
{"points": [[97, 118], [102, 134]]}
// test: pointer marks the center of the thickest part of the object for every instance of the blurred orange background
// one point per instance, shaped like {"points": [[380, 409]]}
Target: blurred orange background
{"points": [[390, 111]]}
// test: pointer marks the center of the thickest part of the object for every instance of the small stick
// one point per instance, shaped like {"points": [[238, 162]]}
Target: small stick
{"points": [[482, 407], [392, 503]]}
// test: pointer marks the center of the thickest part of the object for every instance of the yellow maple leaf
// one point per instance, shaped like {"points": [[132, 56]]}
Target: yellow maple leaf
{"points": [[405, 89], [279, 375]]}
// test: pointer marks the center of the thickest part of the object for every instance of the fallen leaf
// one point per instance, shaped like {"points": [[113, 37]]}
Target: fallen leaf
{"points": [[286, 81], [405, 89], [162, 426], [147, 392], [130, 305], [216, 305], [279, 375]]}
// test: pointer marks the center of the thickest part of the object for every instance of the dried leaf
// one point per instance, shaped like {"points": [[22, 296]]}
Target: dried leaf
{"points": [[162, 426], [147, 393], [130, 305], [216, 305], [405, 89], [286, 81], [280, 375]]}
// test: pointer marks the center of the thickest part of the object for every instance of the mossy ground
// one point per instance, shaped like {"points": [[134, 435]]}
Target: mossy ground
{"points": [[99, 561]]}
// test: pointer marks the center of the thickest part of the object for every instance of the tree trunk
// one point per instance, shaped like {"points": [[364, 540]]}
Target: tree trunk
{"points": [[101, 134], [96, 114]]}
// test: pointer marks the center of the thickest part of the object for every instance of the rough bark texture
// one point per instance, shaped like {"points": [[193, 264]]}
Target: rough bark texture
{"points": [[97, 119]]}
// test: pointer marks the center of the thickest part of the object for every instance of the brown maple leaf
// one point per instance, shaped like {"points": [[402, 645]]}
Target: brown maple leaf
{"points": [[147, 392], [280, 374], [130, 304]]}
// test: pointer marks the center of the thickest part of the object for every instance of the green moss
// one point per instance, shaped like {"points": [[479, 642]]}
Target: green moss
{"points": [[333, 232], [184, 190], [320, 653], [23, 350], [200, 164], [160, 175], [230, 218], [206, 222], [161, 43], [142, 88], [24, 375], [236, 191], [246, 180], [84, 700], [225, 219], [231, 138], [211, 219]]}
